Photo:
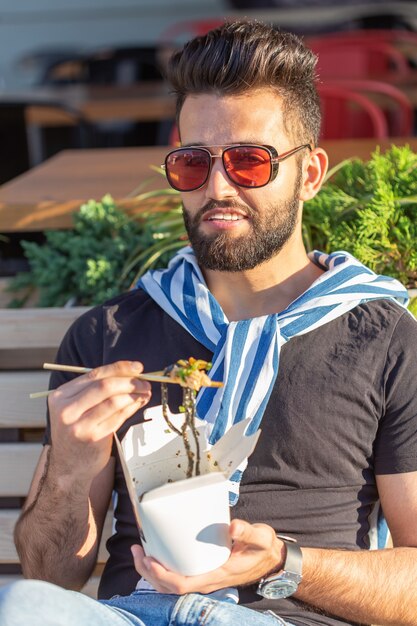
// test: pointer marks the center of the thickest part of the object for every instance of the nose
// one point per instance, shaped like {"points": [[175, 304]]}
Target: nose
{"points": [[219, 184]]}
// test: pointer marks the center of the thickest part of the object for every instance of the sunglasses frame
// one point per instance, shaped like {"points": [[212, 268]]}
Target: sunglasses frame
{"points": [[275, 160]]}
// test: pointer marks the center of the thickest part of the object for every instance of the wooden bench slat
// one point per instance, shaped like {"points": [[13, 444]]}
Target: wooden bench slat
{"points": [[35, 328], [17, 464], [8, 554], [26, 358], [17, 410]]}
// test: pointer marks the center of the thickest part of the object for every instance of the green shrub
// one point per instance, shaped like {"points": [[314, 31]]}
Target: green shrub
{"points": [[370, 210], [366, 208], [84, 265]]}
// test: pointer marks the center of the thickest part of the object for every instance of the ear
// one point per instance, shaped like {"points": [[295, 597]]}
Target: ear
{"points": [[314, 174]]}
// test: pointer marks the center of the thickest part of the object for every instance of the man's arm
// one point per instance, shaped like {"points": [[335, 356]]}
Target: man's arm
{"points": [[372, 586], [58, 534], [365, 586], [59, 531]]}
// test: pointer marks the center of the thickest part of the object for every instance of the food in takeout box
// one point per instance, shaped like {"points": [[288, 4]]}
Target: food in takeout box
{"points": [[183, 521], [191, 375]]}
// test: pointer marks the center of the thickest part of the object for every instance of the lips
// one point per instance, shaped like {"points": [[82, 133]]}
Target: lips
{"points": [[225, 215]]}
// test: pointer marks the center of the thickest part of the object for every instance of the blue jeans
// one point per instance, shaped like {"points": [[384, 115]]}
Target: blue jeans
{"points": [[37, 603]]}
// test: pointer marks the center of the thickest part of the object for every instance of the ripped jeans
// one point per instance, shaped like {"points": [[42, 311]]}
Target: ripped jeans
{"points": [[37, 603]]}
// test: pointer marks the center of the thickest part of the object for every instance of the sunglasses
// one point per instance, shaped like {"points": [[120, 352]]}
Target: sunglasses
{"points": [[246, 165]]}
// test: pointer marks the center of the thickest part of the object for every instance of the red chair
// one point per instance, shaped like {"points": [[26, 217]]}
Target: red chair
{"points": [[397, 108], [395, 37], [349, 114], [358, 59], [366, 34]]}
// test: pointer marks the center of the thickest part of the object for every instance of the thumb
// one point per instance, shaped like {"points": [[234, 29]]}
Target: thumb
{"points": [[240, 530], [136, 550], [137, 553]]}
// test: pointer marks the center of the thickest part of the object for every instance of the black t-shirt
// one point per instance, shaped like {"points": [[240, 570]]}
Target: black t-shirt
{"points": [[343, 409]]}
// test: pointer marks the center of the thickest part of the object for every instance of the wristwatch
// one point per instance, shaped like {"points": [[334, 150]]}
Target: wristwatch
{"points": [[285, 582]]}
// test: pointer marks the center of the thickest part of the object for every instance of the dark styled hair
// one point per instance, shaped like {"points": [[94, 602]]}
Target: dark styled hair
{"points": [[241, 56]]}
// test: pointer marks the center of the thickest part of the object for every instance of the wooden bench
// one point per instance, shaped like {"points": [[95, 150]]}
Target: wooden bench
{"points": [[28, 337]]}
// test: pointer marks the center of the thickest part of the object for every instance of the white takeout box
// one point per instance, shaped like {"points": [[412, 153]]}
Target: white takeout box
{"points": [[183, 522]]}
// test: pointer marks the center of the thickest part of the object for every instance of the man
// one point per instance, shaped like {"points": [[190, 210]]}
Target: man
{"points": [[314, 349]]}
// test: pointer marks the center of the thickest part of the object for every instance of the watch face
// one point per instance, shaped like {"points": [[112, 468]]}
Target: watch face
{"points": [[280, 588]]}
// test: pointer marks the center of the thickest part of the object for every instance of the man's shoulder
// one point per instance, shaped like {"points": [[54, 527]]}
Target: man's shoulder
{"points": [[384, 306], [377, 323], [133, 297], [369, 330], [130, 306], [135, 300], [128, 301], [380, 327], [387, 316]]}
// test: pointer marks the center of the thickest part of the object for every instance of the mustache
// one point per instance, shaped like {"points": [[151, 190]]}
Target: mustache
{"points": [[222, 204]]}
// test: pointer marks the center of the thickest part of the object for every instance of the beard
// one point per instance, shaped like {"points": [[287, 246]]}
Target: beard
{"points": [[269, 233]]}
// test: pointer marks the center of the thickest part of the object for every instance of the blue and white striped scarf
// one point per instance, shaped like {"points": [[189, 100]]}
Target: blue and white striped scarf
{"points": [[246, 352]]}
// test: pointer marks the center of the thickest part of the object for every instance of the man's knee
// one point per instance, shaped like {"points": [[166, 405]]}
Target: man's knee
{"points": [[24, 588], [23, 594], [40, 603]]}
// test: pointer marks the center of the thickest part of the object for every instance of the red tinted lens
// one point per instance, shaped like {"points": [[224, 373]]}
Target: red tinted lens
{"points": [[248, 166], [187, 169]]}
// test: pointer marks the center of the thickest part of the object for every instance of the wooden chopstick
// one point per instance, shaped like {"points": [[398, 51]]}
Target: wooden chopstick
{"points": [[155, 377], [83, 370], [66, 368]]}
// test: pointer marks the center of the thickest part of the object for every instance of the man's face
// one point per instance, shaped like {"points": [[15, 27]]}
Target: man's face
{"points": [[233, 228]]}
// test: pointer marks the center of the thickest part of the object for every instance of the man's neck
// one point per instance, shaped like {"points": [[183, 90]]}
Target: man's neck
{"points": [[268, 288]]}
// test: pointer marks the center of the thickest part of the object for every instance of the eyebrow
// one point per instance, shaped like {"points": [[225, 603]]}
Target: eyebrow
{"points": [[232, 143]]}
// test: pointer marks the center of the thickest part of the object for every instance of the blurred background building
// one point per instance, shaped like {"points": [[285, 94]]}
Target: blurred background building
{"points": [[34, 33]]}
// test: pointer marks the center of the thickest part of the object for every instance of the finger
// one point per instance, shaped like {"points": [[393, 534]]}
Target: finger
{"points": [[143, 567], [116, 369], [96, 393], [241, 531], [138, 555], [97, 424], [172, 582], [166, 581], [256, 535]]}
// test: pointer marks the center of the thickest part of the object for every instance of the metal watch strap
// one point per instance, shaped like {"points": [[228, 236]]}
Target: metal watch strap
{"points": [[293, 559]]}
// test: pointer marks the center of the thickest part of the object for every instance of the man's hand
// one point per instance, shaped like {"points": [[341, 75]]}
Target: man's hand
{"points": [[87, 411], [256, 551], [58, 533]]}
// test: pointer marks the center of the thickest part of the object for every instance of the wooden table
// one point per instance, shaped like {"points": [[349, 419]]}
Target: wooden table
{"points": [[96, 103], [47, 195]]}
